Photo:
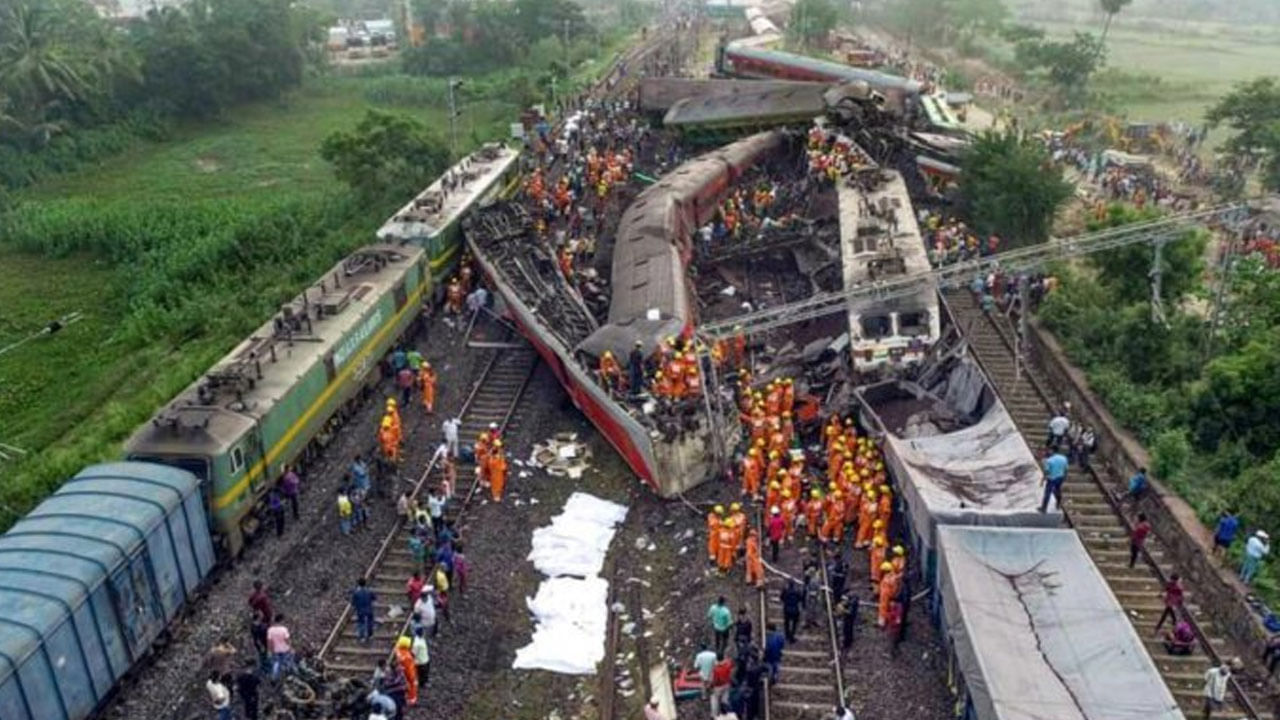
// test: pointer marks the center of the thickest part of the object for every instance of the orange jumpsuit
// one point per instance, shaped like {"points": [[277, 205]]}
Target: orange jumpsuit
{"points": [[739, 530], [789, 518], [405, 658], [751, 476], [773, 495], [497, 474], [884, 508], [833, 528], [610, 372], [390, 447], [877, 557], [866, 515], [888, 591], [739, 349], [482, 457], [775, 465], [725, 549], [755, 568], [813, 515], [427, 378], [713, 536]]}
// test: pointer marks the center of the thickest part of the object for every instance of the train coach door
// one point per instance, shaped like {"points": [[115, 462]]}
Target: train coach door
{"points": [[132, 590]]}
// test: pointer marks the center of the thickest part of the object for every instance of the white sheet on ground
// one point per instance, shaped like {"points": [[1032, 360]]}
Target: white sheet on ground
{"points": [[569, 610], [1038, 634]]}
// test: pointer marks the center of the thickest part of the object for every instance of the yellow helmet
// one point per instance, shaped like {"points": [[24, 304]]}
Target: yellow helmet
{"points": [[719, 509], [886, 567], [878, 541], [773, 455], [786, 493], [404, 642], [871, 496], [735, 507], [832, 487], [391, 402], [754, 451], [837, 495], [658, 375], [815, 494], [899, 550], [775, 484], [884, 489], [877, 524], [608, 353], [786, 414], [497, 443], [386, 422], [728, 522], [847, 466]]}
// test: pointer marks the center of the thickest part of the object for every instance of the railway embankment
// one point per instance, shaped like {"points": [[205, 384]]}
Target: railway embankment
{"points": [[1220, 593]]}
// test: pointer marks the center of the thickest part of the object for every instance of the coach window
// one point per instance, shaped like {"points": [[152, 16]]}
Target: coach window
{"points": [[237, 460]]}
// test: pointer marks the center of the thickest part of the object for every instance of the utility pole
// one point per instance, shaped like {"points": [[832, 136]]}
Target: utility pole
{"points": [[565, 41], [454, 84]]}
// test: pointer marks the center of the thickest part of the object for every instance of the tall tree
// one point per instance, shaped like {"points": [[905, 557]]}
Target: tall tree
{"points": [[1068, 64], [1111, 8], [1009, 188], [1127, 271], [387, 157], [1252, 111]]}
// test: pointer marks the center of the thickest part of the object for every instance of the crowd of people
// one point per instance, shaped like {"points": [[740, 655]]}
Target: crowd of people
{"points": [[840, 498]]}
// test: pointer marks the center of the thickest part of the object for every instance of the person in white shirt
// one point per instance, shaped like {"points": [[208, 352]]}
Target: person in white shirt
{"points": [[421, 656], [451, 434], [219, 695], [425, 609], [1257, 548], [1215, 687], [1058, 427]]}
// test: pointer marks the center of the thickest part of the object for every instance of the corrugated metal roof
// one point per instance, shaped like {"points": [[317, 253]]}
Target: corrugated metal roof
{"points": [[54, 557]]}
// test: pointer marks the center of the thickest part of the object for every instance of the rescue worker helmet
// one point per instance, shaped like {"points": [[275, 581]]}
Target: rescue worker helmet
{"points": [[735, 507], [719, 509], [886, 567], [899, 550], [775, 510]]}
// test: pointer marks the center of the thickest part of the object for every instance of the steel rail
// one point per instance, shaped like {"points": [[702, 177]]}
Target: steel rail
{"points": [[1237, 690], [419, 484]]}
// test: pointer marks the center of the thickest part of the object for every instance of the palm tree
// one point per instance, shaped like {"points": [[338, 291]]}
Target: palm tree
{"points": [[1111, 8], [35, 68]]}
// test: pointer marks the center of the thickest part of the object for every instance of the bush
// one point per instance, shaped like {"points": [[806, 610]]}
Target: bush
{"points": [[1170, 452]]}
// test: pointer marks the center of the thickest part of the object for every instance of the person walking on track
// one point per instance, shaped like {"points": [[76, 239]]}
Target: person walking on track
{"points": [[721, 620], [1173, 595]]}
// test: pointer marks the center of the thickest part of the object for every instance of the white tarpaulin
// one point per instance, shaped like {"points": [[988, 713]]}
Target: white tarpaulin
{"points": [[1037, 633], [983, 474], [569, 610]]}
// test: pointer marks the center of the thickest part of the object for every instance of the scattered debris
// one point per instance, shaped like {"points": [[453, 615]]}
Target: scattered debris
{"points": [[562, 456]]}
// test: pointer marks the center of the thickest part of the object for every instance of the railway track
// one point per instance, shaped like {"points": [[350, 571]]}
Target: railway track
{"points": [[1093, 512], [495, 399], [811, 679]]}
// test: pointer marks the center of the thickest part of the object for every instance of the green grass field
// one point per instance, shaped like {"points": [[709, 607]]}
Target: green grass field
{"points": [[1196, 63], [69, 398]]}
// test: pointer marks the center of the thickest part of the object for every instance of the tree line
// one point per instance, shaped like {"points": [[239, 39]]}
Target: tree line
{"points": [[73, 83]]}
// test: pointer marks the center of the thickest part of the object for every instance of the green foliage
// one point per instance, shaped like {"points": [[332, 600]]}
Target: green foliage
{"points": [[812, 21], [1170, 452], [1009, 188], [490, 35], [388, 156], [1239, 394], [1252, 112], [1066, 64], [1126, 271]]}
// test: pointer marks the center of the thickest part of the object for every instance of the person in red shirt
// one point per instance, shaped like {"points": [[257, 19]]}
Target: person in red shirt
{"points": [[1173, 594], [414, 588], [260, 601], [1138, 538]]}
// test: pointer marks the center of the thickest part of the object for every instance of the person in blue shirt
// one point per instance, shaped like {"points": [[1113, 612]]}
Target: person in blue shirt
{"points": [[362, 599], [773, 644], [1055, 473], [1138, 484], [1225, 533]]}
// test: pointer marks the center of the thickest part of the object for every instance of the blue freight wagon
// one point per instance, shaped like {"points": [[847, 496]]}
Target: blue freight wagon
{"points": [[88, 581]]}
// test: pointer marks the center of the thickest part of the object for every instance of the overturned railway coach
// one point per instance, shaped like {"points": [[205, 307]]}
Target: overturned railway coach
{"points": [[651, 300]]}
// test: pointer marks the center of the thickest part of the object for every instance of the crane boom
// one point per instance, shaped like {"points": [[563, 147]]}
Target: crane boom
{"points": [[1018, 260]]}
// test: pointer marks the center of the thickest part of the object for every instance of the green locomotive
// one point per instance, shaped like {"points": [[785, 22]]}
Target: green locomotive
{"points": [[275, 397]]}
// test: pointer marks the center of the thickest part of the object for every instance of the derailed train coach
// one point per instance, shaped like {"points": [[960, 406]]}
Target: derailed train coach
{"points": [[89, 580], [650, 300]]}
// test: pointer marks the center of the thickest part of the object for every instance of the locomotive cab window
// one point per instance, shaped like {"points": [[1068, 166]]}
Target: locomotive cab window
{"points": [[237, 460]]}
